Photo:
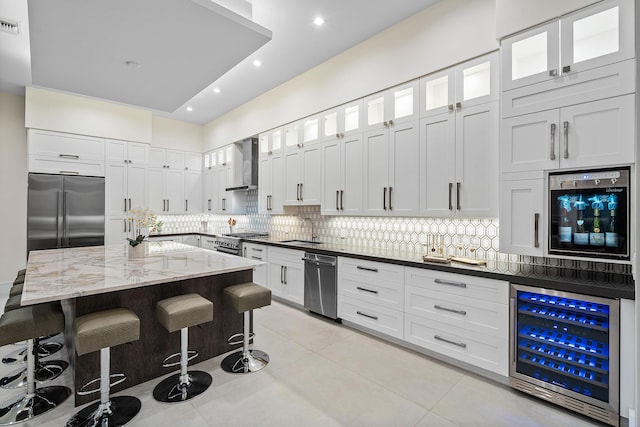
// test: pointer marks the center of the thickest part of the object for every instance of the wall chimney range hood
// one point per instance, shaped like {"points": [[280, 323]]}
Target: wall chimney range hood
{"points": [[249, 166]]}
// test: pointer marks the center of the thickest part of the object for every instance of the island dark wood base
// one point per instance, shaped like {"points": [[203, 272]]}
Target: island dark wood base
{"points": [[142, 360]]}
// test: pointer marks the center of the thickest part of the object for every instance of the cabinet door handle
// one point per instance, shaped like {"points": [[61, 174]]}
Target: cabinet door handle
{"points": [[257, 258], [301, 184], [366, 290], [337, 198], [459, 344], [450, 107], [341, 200], [458, 106], [359, 267], [370, 316], [384, 198], [566, 69], [68, 156], [458, 204], [566, 140], [268, 202], [186, 206], [390, 190], [450, 283], [125, 204], [168, 206], [208, 204], [553, 73], [451, 310], [552, 145], [451, 196], [125, 225], [536, 229], [282, 274], [285, 274]]}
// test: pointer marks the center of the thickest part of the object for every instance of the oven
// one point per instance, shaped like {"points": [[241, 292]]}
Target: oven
{"points": [[232, 243], [564, 348], [589, 214]]}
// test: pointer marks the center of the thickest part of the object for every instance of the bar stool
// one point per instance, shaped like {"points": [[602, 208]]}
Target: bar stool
{"points": [[27, 323], [16, 289], [180, 313], [244, 298], [101, 331]]}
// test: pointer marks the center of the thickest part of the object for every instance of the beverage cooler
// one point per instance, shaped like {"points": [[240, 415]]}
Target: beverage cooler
{"points": [[564, 348], [589, 214]]}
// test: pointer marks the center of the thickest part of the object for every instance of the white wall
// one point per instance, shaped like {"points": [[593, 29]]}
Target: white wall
{"points": [[62, 112], [168, 133], [445, 34], [516, 15], [13, 187]]}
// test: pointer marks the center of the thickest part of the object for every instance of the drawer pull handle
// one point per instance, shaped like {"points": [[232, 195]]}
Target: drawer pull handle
{"points": [[69, 173], [375, 270], [256, 258], [68, 156], [452, 310], [367, 315], [447, 282], [256, 250], [366, 290], [459, 344]]}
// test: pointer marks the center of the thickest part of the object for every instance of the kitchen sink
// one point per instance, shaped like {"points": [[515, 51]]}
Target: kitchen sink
{"points": [[301, 242]]}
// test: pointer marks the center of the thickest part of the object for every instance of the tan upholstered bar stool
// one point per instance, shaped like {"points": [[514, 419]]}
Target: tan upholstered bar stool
{"points": [[180, 313], [28, 323], [101, 331], [244, 298]]}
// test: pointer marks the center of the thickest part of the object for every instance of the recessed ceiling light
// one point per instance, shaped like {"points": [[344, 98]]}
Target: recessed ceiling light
{"points": [[216, 90], [132, 64], [189, 109], [257, 63], [318, 21]]}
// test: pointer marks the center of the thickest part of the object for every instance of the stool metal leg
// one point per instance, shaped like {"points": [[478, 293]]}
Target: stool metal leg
{"points": [[43, 371], [35, 401], [185, 385], [112, 412], [245, 361], [20, 355]]}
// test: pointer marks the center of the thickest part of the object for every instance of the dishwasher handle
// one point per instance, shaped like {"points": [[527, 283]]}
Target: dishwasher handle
{"points": [[332, 264]]}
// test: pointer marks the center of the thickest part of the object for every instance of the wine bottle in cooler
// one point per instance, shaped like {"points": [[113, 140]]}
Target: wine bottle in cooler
{"points": [[581, 236], [611, 233], [596, 237], [565, 230]]}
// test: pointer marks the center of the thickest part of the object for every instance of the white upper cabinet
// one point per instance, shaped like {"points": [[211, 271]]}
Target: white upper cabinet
{"points": [[342, 121], [271, 143], [592, 37], [471, 83], [392, 106], [310, 130]]}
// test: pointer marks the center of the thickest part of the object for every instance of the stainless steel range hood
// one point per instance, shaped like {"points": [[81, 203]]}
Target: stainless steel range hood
{"points": [[249, 166]]}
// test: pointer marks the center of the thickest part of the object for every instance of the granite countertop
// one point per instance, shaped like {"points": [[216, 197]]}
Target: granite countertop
{"points": [[605, 282], [57, 274]]}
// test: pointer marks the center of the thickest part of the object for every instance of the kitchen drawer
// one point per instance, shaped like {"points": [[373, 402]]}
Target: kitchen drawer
{"points": [[478, 316], [254, 251], [485, 351], [290, 255], [53, 165], [459, 284], [372, 316], [65, 146], [382, 292], [371, 270]]}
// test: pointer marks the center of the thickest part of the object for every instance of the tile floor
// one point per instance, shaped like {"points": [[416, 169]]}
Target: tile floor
{"points": [[325, 374]]}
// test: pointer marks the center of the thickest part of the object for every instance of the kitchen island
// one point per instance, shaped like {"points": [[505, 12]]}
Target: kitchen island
{"points": [[97, 278]]}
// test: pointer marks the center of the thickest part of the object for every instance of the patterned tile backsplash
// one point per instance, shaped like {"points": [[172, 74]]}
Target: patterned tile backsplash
{"points": [[406, 234]]}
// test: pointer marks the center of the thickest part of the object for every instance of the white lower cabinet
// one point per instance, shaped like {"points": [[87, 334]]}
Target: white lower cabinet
{"points": [[462, 317], [258, 253], [371, 294], [286, 274], [208, 242]]}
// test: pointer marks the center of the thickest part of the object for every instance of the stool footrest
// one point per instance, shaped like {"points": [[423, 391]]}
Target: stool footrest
{"points": [[239, 338], [191, 354], [118, 379]]}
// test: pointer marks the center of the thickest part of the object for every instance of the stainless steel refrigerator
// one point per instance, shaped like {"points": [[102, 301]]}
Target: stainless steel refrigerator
{"points": [[64, 211]]}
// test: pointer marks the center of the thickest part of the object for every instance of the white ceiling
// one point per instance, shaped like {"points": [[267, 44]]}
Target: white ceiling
{"points": [[297, 45]]}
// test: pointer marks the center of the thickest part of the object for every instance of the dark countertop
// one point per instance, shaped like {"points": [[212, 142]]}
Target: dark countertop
{"points": [[603, 280]]}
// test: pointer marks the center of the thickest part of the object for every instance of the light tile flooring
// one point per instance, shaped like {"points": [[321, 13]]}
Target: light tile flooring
{"points": [[325, 374]]}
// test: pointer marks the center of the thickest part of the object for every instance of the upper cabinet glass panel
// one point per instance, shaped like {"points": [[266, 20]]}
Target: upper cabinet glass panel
{"points": [[330, 124], [291, 135], [477, 81], [263, 144], [403, 102], [310, 131], [352, 118], [375, 111], [596, 35], [529, 56], [437, 93], [276, 141]]}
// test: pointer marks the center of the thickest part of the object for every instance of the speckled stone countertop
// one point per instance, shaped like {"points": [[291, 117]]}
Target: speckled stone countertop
{"points": [[606, 282], [58, 274]]}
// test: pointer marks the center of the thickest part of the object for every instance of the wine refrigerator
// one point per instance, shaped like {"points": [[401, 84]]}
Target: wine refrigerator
{"points": [[564, 348]]}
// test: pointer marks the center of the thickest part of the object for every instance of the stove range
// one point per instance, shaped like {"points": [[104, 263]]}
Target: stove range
{"points": [[231, 243]]}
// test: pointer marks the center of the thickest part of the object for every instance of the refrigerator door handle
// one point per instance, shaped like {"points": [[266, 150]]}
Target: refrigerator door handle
{"points": [[65, 219], [59, 211]]}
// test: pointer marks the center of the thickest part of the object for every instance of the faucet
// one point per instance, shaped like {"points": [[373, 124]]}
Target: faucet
{"points": [[313, 236]]}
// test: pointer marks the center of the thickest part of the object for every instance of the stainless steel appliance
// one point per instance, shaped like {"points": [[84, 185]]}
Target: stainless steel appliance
{"points": [[320, 284], [249, 166], [232, 243], [589, 214], [564, 348], [64, 211]]}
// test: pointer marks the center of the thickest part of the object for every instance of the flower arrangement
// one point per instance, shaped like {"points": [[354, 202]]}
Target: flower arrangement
{"points": [[231, 223], [141, 220]]}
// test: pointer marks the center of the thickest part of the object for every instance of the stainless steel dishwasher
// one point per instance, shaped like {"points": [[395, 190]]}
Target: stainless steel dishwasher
{"points": [[320, 284]]}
